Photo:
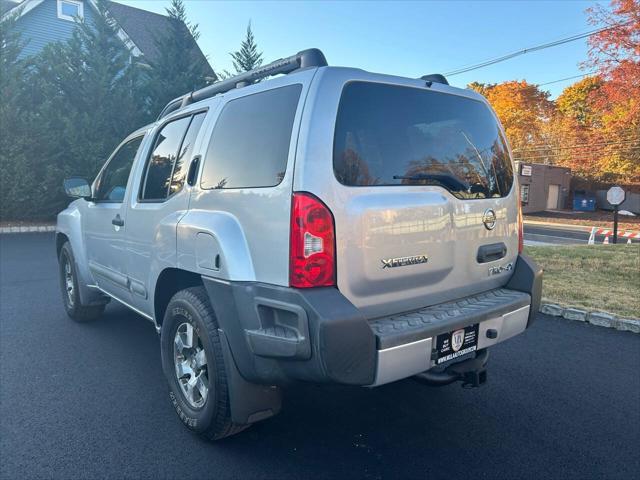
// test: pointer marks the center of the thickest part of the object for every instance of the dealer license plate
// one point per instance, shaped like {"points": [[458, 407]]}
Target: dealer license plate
{"points": [[456, 344]]}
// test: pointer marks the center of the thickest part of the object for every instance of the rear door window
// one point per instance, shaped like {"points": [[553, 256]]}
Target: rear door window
{"points": [[394, 135], [184, 154], [250, 142], [165, 169]]}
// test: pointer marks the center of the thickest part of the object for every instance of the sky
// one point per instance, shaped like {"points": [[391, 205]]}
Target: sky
{"points": [[402, 38]]}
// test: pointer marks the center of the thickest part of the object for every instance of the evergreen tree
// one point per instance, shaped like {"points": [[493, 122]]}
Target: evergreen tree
{"points": [[248, 57], [84, 97], [13, 122], [178, 67]]}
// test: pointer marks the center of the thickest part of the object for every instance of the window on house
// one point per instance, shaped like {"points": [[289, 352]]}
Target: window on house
{"points": [[70, 9], [250, 142], [524, 194]]}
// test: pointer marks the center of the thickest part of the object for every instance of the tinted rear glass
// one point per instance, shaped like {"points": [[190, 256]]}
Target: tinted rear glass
{"points": [[163, 156], [250, 142], [391, 135]]}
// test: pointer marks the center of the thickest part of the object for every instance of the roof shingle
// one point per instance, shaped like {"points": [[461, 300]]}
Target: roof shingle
{"points": [[141, 26]]}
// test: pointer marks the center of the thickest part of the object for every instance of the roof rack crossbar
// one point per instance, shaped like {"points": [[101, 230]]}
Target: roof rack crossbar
{"points": [[311, 57]]}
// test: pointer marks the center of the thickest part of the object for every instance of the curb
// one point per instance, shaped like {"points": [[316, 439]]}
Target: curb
{"points": [[599, 319], [29, 229], [568, 226]]}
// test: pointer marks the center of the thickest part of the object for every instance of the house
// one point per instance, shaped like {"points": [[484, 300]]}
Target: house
{"points": [[45, 21], [543, 187]]}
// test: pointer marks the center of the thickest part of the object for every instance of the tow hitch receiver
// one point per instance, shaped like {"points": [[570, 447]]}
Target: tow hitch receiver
{"points": [[471, 372]]}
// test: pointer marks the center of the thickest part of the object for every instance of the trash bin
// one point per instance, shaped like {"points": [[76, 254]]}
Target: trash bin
{"points": [[584, 201]]}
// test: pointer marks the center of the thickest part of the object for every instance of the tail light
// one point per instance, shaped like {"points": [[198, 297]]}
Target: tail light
{"points": [[312, 260], [520, 227]]}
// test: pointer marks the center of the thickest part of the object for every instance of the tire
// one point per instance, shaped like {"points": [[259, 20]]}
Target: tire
{"points": [[190, 327], [69, 289]]}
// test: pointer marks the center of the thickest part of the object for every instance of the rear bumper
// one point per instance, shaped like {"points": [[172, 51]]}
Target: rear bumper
{"points": [[277, 335]]}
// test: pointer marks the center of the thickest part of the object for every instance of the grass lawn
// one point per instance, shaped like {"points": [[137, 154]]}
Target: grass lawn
{"points": [[595, 277]]}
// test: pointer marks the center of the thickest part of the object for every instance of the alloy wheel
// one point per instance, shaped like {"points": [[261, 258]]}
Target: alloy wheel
{"points": [[68, 280], [190, 362]]}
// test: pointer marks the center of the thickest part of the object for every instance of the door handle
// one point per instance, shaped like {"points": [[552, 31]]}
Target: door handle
{"points": [[193, 170], [117, 221], [492, 252]]}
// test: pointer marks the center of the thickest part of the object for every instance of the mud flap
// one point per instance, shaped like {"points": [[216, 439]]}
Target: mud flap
{"points": [[250, 402]]}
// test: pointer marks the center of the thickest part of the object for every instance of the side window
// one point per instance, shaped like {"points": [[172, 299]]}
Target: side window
{"points": [[250, 142], [112, 183], [186, 149], [165, 170], [160, 163]]}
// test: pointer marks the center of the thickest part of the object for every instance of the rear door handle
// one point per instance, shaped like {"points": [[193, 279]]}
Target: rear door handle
{"points": [[117, 221], [492, 252], [193, 170]]}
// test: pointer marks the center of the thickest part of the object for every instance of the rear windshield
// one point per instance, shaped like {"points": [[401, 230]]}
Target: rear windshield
{"points": [[392, 135]]}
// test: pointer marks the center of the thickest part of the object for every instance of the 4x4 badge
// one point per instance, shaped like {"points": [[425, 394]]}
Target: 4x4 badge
{"points": [[489, 219], [402, 261]]}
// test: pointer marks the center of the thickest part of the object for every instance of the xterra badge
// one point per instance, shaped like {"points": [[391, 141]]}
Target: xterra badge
{"points": [[402, 261]]}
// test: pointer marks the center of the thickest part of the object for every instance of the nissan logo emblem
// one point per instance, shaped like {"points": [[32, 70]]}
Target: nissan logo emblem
{"points": [[489, 219]]}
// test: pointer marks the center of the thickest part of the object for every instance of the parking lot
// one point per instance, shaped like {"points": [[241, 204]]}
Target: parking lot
{"points": [[90, 401]]}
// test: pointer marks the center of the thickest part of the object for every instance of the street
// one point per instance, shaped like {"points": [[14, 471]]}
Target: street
{"points": [[90, 401], [550, 234]]}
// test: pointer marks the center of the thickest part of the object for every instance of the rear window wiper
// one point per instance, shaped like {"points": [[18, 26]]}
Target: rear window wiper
{"points": [[449, 181]]}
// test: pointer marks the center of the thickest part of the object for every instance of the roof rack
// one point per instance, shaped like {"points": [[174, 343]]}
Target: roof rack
{"points": [[311, 57], [435, 77]]}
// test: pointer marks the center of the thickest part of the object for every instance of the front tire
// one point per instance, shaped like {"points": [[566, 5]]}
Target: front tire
{"points": [[70, 291], [193, 364]]}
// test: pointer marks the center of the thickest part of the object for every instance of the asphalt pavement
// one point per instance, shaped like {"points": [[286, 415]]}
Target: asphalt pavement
{"points": [[90, 401], [557, 234]]}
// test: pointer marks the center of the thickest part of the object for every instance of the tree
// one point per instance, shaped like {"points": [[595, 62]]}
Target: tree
{"points": [[615, 53], [82, 97], [574, 128], [13, 121], [577, 102], [523, 110], [177, 68], [248, 57]]}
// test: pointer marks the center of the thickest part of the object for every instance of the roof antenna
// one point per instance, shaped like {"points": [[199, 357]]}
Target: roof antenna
{"points": [[434, 77]]}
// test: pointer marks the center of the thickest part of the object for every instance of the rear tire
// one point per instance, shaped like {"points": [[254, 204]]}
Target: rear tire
{"points": [[70, 291], [193, 364]]}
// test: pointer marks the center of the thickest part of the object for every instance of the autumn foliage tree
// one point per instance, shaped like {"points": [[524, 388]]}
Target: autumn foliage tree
{"points": [[574, 139], [615, 53], [593, 127], [522, 108]]}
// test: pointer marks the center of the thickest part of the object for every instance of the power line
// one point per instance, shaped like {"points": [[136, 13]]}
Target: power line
{"points": [[591, 154], [532, 49], [581, 145], [567, 78]]}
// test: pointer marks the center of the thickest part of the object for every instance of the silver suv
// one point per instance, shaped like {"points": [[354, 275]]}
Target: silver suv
{"points": [[326, 225]]}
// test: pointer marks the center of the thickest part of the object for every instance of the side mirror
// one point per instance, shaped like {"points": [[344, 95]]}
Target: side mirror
{"points": [[77, 187]]}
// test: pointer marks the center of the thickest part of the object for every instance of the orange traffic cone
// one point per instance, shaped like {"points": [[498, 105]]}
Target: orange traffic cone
{"points": [[606, 240]]}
